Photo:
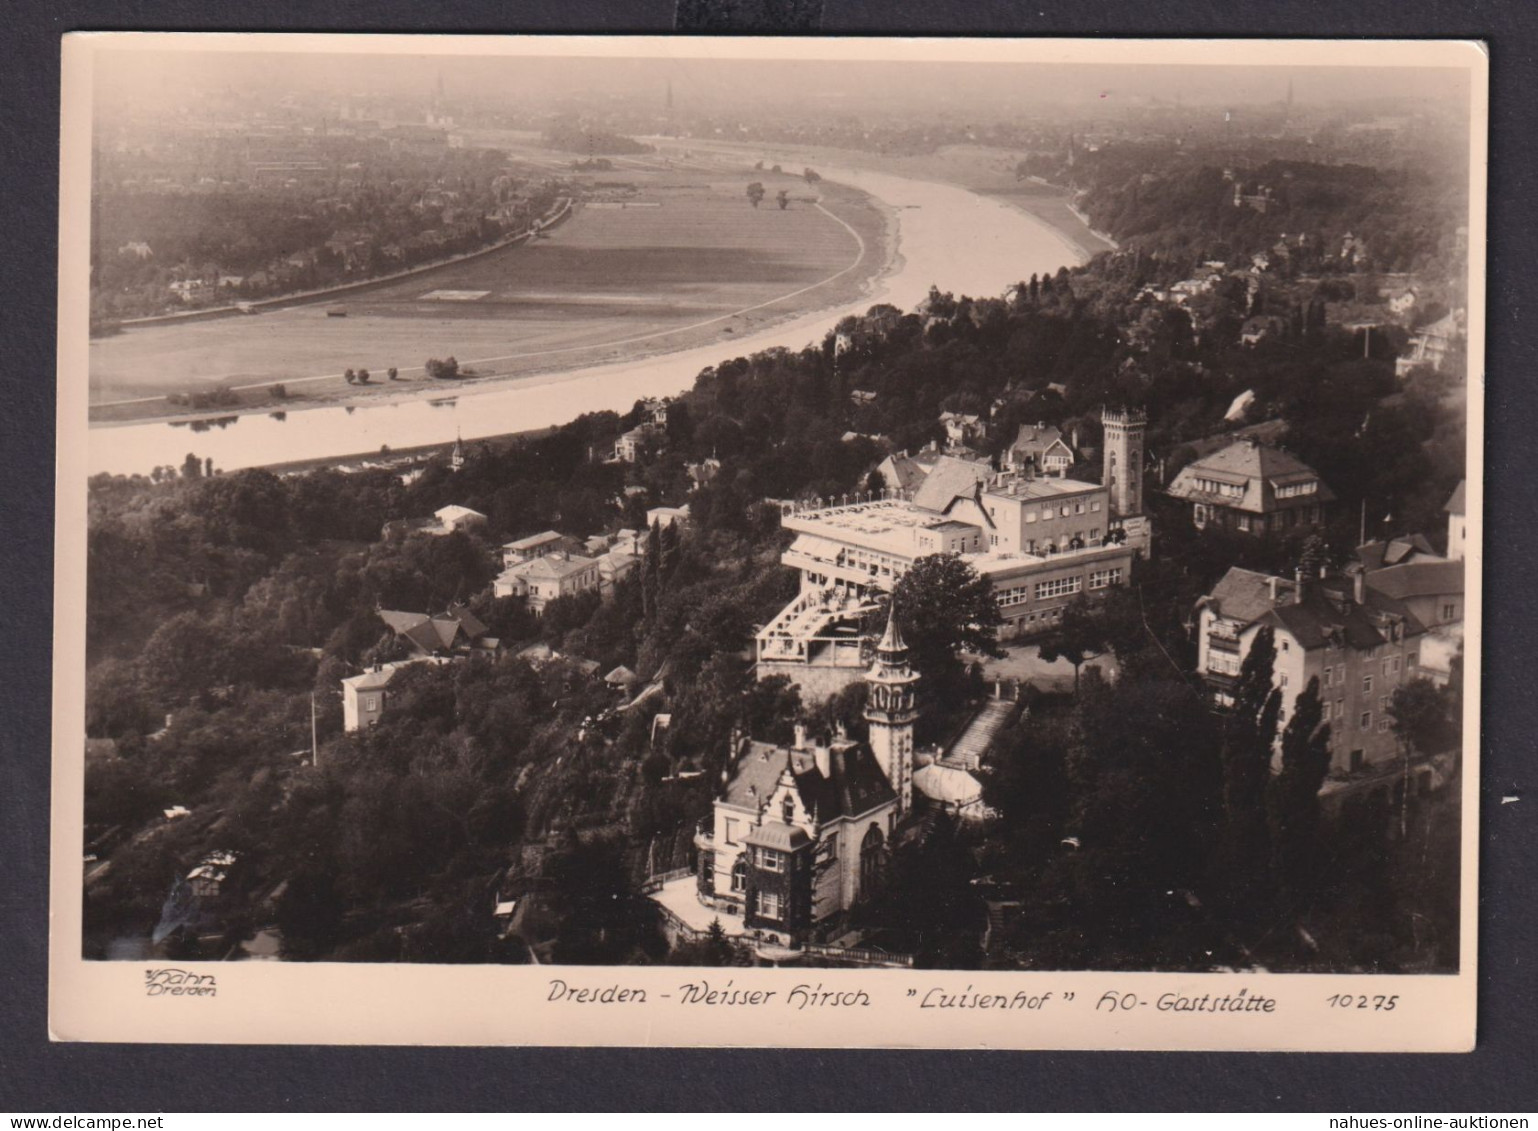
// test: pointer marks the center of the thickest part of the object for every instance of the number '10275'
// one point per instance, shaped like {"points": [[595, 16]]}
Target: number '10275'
{"points": [[1381, 1002]]}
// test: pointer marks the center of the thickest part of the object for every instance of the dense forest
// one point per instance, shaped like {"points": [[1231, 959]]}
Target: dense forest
{"points": [[220, 603]]}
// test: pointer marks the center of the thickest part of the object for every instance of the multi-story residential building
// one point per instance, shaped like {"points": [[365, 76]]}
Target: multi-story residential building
{"points": [[1359, 643], [1039, 541], [799, 834], [1252, 488], [547, 578]]}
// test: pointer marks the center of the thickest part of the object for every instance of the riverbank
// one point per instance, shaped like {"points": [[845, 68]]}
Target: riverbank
{"points": [[962, 241], [853, 234], [551, 219]]}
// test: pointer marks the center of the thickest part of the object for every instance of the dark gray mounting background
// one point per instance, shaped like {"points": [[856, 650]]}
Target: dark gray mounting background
{"points": [[1502, 1075]]}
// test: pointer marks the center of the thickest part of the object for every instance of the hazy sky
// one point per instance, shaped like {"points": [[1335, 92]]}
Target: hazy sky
{"points": [[705, 85]]}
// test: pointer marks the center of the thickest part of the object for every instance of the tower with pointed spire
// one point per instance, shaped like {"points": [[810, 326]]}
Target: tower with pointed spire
{"points": [[891, 710], [457, 456]]}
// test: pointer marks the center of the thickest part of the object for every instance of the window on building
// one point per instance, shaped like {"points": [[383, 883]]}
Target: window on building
{"points": [[1449, 611], [872, 859], [1354, 763], [1101, 578], [1293, 490], [1058, 586], [740, 875], [1383, 725], [371, 702], [731, 831], [1367, 685], [1030, 516], [769, 905], [1340, 708], [1388, 666], [772, 860], [1365, 722], [830, 845], [1078, 508], [1243, 522], [1284, 679], [1224, 663], [1329, 674], [1286, 646], [788, 809], [1094, 506]]}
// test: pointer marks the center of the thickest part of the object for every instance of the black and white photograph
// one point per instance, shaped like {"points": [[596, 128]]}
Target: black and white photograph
{"points": [[682, 521]]}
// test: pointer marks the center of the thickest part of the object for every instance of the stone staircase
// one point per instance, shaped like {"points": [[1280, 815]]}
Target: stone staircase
{"points": [[967, 752]]}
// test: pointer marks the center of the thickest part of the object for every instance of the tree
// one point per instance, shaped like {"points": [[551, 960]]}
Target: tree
{"points": [[363, 376], [782, 198], [392, 373], [811, 175], [1293, 798], [944, 606], [350, 375], [445, 370], [755, 193], [1079, 635], [1422, 719], [192, 467], [1249, 733]]}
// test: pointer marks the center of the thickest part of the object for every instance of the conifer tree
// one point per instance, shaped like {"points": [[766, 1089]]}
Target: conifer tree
{"points": [[1293, 798], [1248, 736]]}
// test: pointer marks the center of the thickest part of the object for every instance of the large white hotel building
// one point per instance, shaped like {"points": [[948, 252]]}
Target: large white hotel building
{"points": [[1040, 541]]}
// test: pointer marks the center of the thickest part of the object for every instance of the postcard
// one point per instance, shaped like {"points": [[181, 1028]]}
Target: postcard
{"points": [[768, 542]]}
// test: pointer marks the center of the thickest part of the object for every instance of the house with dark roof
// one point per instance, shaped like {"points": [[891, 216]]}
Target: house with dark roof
{"points": [[800, 833], [902, 472], [1400, 550], [1360, 643], [1253, 488], [1040, 448], [455, 632]]}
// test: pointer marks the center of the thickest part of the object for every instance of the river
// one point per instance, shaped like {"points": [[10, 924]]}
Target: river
{"points": [[963, 242]]}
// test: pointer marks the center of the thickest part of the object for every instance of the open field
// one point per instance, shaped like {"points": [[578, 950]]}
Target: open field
{"points": [[683, 261]]}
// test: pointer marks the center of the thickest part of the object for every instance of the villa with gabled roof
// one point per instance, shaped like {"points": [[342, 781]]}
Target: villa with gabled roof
{"points": [[1253, 488]]}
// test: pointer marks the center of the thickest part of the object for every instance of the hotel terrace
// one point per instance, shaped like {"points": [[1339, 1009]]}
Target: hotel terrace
{"points": [[1039, 541]]}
